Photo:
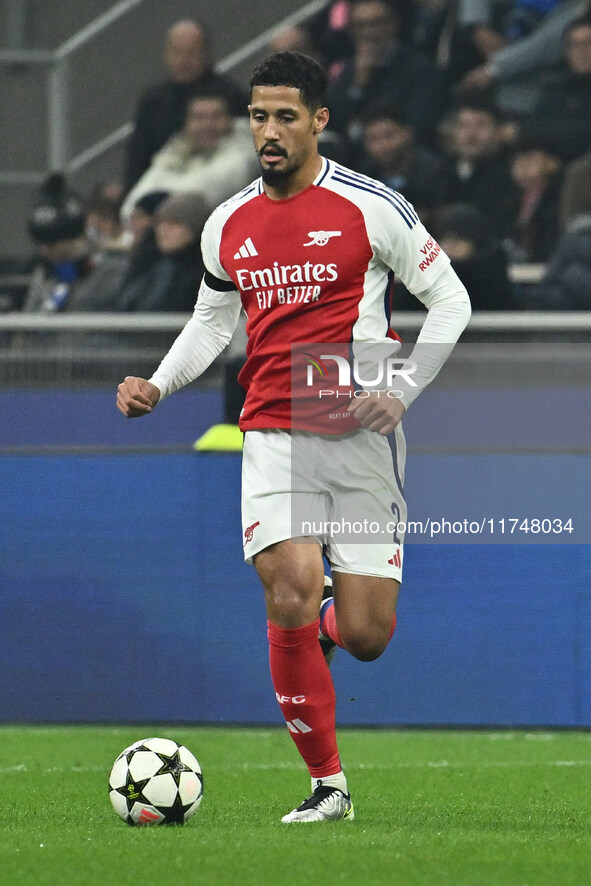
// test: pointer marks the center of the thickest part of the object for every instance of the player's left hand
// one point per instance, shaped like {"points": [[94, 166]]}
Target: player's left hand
{"points": [[378, 412]]}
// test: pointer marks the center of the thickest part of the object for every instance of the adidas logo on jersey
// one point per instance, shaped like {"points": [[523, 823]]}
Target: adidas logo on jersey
{"points": [[247, 250]]}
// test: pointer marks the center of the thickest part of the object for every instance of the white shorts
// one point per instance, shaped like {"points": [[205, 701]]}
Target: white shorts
{"points": [[343, 491]]}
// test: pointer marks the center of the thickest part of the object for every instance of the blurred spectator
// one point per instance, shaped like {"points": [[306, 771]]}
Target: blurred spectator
{"points": [[70, 275], [533, 31], [477, 255], [537, 173], [166, 272], [393, 157], [336, 146], [457, 36], [143, 248], [576, 190], [57, 226], [213, 154], [567, 283], [562, 116], [162, 108], [481, 165], [329, 29], [109, 251], [141, 218], [382, 67], [432, 18], [103, 216], [294, 38]]}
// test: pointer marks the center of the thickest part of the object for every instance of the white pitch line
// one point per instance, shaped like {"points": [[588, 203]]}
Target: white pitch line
{"points": [[429, 764], [377, 767], [22, 767]]}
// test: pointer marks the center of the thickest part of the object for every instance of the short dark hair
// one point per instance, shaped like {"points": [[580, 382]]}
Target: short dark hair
{"points": [[297, 70]]}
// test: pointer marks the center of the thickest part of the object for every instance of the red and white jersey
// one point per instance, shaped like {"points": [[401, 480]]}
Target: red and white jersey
{"points": [[316, 267]]}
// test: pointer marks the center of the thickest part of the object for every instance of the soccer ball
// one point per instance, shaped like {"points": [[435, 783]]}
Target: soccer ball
{"points": [[156, 781]]}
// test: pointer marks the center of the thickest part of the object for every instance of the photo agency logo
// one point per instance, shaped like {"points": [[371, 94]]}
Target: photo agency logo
{"points": [[326, 378], [358, 375]]}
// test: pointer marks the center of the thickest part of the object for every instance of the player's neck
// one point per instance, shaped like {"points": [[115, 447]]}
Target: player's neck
{"points": [[301, 179]]}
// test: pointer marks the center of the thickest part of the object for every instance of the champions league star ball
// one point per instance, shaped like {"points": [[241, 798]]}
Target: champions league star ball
{"points": [[156, 781]]}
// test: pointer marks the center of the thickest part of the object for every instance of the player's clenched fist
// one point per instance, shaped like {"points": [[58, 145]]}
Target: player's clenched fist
{"points": [[136, 396]]}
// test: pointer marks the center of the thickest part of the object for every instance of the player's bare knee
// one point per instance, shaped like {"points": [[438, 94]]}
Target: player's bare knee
{"points": [[285, 597], [293, 588], [365, 645], [291, 603]]}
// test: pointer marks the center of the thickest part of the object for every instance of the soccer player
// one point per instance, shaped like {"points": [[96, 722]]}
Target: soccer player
{"points": [[309, 250]]}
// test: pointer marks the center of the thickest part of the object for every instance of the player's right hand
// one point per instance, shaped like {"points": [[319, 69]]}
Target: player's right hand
{"points": [[136, 396]]}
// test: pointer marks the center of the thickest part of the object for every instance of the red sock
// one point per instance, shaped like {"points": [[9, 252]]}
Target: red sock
{"points": [[329, 627], [305, 692]]}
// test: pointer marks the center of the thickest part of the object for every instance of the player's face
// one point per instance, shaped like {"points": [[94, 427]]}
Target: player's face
{"points": [[284, 131]]}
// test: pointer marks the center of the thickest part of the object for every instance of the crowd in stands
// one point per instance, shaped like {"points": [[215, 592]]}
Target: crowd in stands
{"points": [[478, 111]]}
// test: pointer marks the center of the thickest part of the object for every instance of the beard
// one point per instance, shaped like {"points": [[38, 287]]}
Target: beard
{"points": [[276, 177]]}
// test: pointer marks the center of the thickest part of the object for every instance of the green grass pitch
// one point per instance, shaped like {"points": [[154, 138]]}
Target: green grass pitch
{"points": [[440, 808]]}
